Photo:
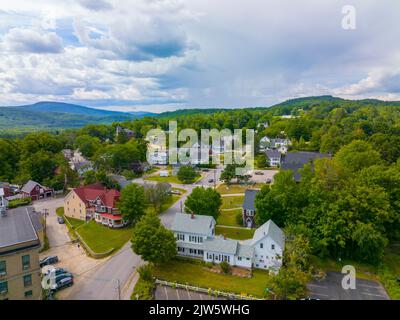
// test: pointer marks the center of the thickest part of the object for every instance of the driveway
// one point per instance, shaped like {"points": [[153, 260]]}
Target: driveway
{"points": [[331, 289]]}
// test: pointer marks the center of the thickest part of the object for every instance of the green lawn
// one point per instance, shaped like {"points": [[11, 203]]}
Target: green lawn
{"points": [[228, 218], [169, 179], [102, 239], [198, 275], [232, 202], [386, 273], [75, 223], [236, 188], [168, 204], [233, 233]]}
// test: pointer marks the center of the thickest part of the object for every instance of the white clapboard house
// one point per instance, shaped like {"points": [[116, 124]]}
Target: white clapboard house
{"points": [[195, 237]]}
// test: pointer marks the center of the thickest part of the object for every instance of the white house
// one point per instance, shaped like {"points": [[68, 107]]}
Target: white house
{"points": [[274, 157], [280, 144], [195, 237]]}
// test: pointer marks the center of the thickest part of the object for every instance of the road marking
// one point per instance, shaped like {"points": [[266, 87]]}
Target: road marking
{"points": [[316, 286], [177, 293], [366, 286], [166, 293], [372, 294]]}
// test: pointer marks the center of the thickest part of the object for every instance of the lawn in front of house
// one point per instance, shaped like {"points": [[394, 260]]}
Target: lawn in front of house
{"points": [[232, 202], [75, 223], [170, 178], [236, 188], [102, 239], [199, 275], [235, 233], [228, 217], [174, 198]]}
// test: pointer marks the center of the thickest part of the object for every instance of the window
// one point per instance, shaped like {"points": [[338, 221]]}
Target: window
{"points": [[26, 262], [28, 294], [3, 287], [240, 258], [272, 246], [261, 245], [27, 280], [3, 268]]}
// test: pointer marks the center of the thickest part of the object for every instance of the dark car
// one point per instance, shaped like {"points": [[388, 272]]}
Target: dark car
{"points": [[63, 283], [259, 173], [62, 276], [211, 181], [57, 271], [48, 260], [60, 220]]}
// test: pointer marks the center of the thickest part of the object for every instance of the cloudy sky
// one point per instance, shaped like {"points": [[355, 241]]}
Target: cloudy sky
{"points": [[158, 55]]}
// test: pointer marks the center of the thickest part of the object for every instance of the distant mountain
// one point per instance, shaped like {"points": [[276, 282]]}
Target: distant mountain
{"points": [[61, 107], [56, 115]]}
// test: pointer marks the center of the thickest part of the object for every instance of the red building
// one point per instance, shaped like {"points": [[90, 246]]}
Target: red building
{"points": [[36, 191]]}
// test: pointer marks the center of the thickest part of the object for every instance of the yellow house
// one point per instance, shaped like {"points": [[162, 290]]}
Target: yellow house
{"points": [[19, 255]]}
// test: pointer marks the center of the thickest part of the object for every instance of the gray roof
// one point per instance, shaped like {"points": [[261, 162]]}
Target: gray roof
{"points": [[221, 244], [30, 185], [272, 153], [189, 245], [272, 230], [249, 199], [296, 160], [245, 250], [18, 226], [189, 223]]}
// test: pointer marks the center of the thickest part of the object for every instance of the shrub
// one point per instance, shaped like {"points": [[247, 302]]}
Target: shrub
{"points": [[146, 272], [209, 264], [19, 203], [144, 290], [239, 219], [225, 267]]}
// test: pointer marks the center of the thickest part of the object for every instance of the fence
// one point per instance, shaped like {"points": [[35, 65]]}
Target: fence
{"points": [[209, 291]]}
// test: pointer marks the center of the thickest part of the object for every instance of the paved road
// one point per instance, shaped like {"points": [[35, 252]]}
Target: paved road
{"points": [[167, 293]]}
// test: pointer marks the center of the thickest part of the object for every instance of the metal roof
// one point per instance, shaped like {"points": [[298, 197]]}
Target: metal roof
{"points": [[269, 229], [245, 251], [18, 226]]}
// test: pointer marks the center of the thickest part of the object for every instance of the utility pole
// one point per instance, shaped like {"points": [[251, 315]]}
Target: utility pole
{"points": [[181, 207], [45, 212]]}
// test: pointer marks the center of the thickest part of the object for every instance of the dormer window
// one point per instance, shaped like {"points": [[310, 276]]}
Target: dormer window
{"points": [[261, 245], [272, 247]]}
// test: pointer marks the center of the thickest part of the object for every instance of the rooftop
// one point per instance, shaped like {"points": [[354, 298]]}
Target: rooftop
{"points": [[109, 197], [197, 224], [272, 230], [249, 199], [272, 153], [19, 226], [221, 244]]}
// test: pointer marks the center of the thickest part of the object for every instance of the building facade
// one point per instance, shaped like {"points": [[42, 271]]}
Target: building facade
{"points": [[36, 191], [249, 208], [19, 255], [94, 202], [195, 238]]}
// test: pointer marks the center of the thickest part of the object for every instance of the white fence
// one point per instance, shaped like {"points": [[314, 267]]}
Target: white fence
{"points": [[210, 292]]}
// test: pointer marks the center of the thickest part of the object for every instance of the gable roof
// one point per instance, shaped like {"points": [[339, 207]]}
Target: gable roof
{"points": [[296, 160], [221, 244], [249, 199], [198, 224], [109, 197], [30, 185], [272, 154], [245, 250], [269, 229]]}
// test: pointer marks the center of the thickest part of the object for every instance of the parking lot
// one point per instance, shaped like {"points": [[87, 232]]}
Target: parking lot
{"points": [[331, 289], [168, 293]]}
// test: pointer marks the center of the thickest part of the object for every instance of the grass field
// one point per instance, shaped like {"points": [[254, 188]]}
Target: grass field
{"points": [[234, 233], [198, 275], [228, 218], [236, 188], [168, 204], [102, 239], [169, 179], [232, 202]]}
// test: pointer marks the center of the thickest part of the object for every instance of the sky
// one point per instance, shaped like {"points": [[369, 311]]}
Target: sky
{"points": [[159, 55]]}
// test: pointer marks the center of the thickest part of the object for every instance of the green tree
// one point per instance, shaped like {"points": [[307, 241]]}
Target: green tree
{"points": [[152, 241], [204, 201], [228, 174], [132, 203], [157, 195], [187, 174], [87, 145]]}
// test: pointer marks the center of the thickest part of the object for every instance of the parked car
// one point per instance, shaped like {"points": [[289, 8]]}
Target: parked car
{"points": [[63, 276], [175, 192], [56, 271], [206, 170], [211, 181], [268, 181], [63, 283], [259, 173], [48, 260], [60, 220]]}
